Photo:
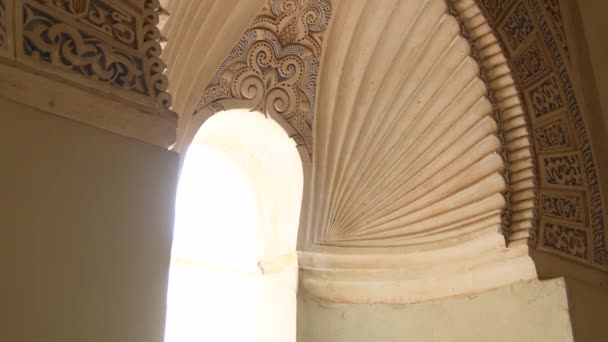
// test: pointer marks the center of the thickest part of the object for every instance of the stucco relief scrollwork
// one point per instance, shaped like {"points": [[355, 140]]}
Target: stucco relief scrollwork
{"points": [[154, 65], [48, 39], [534, 36], [554, 136], [545, 97], [567, 240], [3, 24], [101, 41], [562, 170], [104, 53], [6, 27], [105, 17], [517, 26], [274, 66]]}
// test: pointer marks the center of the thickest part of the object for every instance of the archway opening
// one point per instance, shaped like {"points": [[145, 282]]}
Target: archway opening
{"points": [[233, 274]]}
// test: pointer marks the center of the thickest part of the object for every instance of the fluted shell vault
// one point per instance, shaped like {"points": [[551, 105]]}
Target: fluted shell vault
{"points": [[415, 130], [405, 146]]}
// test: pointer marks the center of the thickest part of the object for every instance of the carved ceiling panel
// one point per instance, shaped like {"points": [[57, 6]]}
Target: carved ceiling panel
{"points": [[571, 216]]}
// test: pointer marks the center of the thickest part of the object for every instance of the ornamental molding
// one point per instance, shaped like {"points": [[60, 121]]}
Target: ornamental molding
{"points": [[519, 215], [109, 48], [570, 221], [274, 66]]}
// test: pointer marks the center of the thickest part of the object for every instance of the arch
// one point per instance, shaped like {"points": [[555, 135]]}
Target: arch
{"points": [[262, 159], [207, 112]]}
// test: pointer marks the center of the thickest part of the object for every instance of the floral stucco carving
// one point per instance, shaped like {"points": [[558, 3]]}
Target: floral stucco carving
{"points": [[274, 66]]}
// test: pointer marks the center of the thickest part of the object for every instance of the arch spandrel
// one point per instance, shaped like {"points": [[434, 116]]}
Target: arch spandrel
{"points": [[273, 68]]}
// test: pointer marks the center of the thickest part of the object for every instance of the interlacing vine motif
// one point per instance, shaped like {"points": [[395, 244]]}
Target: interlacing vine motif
{"points": [[553, 9], [275, 65], [48, 39], [99, 40], [564, 206], [105, 17]]}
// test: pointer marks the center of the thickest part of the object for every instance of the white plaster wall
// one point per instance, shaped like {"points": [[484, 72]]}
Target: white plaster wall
{"points": [[86, 224], [526, 312]]}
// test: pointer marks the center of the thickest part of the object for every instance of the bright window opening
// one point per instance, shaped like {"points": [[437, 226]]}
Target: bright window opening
{"points": [[233, 273]]}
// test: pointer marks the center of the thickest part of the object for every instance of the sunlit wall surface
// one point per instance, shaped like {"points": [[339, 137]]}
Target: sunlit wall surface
{"points": [[233, 275]]}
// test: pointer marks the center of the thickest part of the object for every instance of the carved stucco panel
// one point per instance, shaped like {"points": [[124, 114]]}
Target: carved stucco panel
{"points": [[534, 36], [274, 66], [96, 43]]}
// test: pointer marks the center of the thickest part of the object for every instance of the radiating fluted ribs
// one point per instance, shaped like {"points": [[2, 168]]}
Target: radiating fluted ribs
{"points": [[407, 152], [364, 100], [393, 121], [417, 162]]}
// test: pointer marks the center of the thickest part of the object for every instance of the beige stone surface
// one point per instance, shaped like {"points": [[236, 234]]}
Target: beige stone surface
{"points": [[86, 231], [531, 311]]}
